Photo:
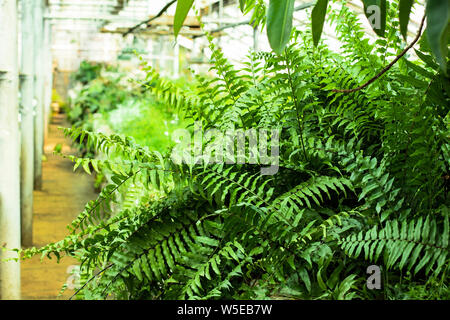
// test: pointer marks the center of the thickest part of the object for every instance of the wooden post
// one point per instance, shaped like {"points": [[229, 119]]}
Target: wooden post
{"points": [[38, 93], [27, 123], [9, 151]]}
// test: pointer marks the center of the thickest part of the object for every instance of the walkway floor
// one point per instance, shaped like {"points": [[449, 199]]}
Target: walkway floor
{"points": [[63, 196]]}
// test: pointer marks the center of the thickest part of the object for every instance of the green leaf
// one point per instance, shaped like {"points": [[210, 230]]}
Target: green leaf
{"points": [[137, 270], [420, 70], [77, 163], [317, 19], [95, 165], [404, 11], [183, 7], [214, 265], [429, 61], [145, 268], [375, 11], [305, 278], [345, 286], [438, 15], [445, 232], [279, 23], [86, 167], [320, 281], [208, 241], [242, 5]]}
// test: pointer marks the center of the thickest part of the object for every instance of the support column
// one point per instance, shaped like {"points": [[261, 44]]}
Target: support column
{"points": [[9, 151], [38, 93], [27, 123], [176, 61], [255, 39], [48, 74], [219, 39]]}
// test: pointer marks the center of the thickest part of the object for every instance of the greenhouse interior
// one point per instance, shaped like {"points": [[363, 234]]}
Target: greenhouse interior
{"points": [[224, 149]]}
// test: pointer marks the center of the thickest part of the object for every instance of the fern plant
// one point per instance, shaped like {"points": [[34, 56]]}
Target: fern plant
{"points": [[360, 174]]}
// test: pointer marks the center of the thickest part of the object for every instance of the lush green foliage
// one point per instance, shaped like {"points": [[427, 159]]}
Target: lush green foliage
{"points": [[87, 72], [280, 14], [363, 180], [98, 95], [110, 102]]}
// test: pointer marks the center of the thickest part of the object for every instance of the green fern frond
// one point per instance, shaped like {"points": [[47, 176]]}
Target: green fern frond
{"points": [[406, 245]]}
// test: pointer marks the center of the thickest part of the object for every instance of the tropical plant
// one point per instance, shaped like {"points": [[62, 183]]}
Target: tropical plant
{"points": [[87, 72], [280, 14], [363, 179]]}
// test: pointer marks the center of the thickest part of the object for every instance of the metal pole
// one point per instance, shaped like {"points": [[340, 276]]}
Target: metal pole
{"points": [[219, 40], [176, 60], [38, 94], [9, 151], [47, 61], [255, 39], [27, 123]]}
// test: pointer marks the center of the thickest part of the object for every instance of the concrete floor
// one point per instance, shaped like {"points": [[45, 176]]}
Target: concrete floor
{"points": [[63, 196]]}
